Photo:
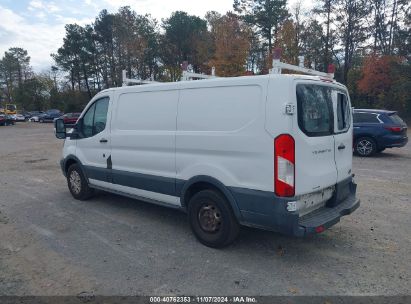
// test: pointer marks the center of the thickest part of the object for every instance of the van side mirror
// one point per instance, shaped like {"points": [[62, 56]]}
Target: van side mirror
{"points": [[60, 128]]}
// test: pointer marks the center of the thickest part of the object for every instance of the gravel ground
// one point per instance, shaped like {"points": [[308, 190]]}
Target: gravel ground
{"points": [[51, 244]]}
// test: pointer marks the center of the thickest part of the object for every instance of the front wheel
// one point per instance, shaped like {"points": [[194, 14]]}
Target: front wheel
{"points": [[77, 183], [365, 146], [212, 219]]}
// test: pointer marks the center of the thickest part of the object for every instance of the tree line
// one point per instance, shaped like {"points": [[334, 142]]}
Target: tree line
{"points": [[369, 42]]}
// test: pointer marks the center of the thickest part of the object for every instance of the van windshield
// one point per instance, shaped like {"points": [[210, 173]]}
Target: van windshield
{"points": [[315, 109]]}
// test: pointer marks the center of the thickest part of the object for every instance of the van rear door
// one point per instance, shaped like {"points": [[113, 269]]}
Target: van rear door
{"points": [[315, 168], [342, 134]]}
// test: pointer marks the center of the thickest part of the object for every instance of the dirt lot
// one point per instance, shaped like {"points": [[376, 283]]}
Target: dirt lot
{"points": [[51, 244]]}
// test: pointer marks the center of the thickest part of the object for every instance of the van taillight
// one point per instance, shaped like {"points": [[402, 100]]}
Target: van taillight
{"points": [[284, 165]]}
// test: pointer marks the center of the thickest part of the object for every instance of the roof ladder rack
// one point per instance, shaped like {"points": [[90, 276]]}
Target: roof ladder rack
{"points": [[278, 66], [127, 81], [189, 75]]}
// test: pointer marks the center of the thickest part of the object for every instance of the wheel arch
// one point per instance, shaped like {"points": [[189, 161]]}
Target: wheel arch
{"points": [[203, 182], [70, 160]]}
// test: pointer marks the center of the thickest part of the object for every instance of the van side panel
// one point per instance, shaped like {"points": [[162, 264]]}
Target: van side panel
{"points": [[143, 141], [220, 133]]}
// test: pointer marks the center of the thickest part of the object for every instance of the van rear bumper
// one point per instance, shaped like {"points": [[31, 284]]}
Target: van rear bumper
{"points": [[264, 210], [323, 218]]}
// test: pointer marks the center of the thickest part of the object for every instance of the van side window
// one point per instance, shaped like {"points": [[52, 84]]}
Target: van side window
{"points": [[100, 116], [94, 121], [343, 112], [87, 127], [314, 109]]}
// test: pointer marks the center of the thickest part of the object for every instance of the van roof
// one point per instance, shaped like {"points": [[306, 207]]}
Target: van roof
{"points": [[230, 79]]}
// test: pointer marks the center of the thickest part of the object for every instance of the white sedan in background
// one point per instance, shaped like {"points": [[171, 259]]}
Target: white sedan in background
{"points": [[34, 119], [18, 117]]}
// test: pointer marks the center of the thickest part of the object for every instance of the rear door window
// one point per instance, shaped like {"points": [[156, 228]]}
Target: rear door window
{"points": [[315, 114], [343, 113]]}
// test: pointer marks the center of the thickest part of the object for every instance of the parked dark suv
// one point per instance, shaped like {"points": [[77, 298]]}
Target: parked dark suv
{"points": [[376, 130], [50, 116]]}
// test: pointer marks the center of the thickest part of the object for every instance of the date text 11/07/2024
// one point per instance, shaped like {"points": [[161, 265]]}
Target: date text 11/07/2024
{"points": [[202, 299]]}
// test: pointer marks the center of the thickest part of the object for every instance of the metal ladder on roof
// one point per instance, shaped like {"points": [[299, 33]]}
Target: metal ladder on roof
{"points": [[127, 81], [278, 66]]}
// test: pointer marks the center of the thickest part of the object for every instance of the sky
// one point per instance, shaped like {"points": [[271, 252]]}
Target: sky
{"points": [[38, 25]]}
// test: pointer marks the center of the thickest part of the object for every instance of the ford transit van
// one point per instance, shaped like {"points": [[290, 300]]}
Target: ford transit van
{"points": [[271, 151]]}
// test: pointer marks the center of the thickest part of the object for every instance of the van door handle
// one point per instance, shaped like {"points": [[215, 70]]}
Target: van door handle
{"points": [[341, 146], [103, 140]]}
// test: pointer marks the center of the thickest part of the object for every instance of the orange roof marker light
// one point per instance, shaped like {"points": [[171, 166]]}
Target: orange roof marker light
{"points": [[331, 69]]}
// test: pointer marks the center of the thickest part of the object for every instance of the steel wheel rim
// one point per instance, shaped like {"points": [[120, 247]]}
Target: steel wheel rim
{"points": [[75, 182], [364, 147], [209, 217]]}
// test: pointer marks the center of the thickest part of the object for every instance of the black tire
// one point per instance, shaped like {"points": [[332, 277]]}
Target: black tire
{"points": [[365, 146], [77, 183], [212, 219]]}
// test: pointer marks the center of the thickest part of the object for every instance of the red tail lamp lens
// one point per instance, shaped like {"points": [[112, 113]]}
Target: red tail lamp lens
{"points": [[284, 165]]}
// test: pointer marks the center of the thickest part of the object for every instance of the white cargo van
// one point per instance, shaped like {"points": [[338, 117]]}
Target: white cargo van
{"points": [[272, 151]]}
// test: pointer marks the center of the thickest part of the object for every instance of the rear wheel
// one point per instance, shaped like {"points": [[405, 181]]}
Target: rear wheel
{"points": [[211, 219], [77, 183], [365, 146]]}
